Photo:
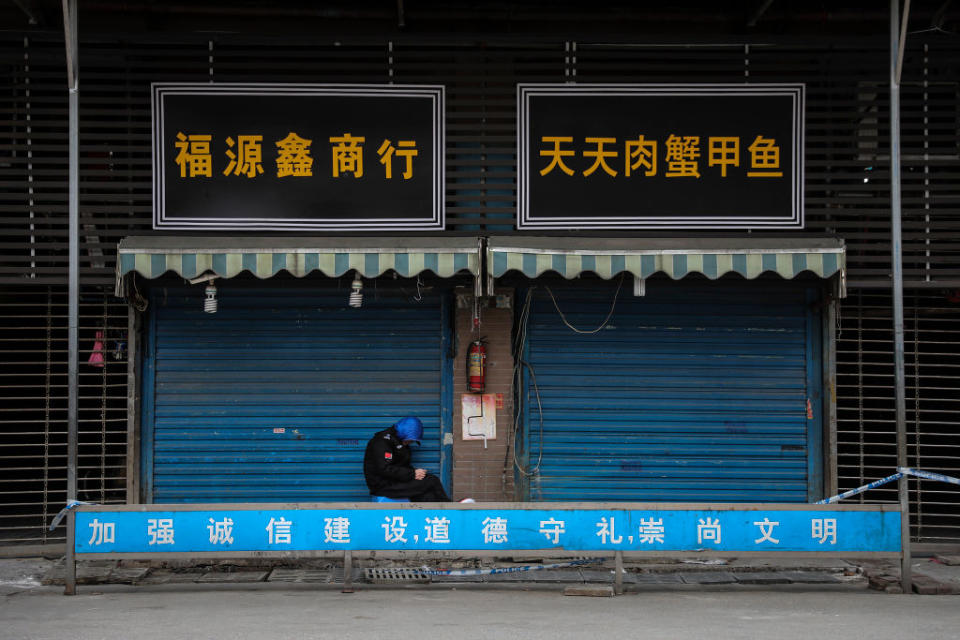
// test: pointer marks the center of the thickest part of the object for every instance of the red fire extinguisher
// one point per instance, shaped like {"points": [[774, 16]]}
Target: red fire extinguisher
{"points": [[476, 366]]}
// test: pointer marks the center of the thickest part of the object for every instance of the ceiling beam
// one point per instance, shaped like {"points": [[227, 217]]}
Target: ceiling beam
{"points": [[32, 11], [758, 13]]}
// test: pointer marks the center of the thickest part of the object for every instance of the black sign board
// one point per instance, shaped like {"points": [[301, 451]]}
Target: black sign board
{"points": [[283, 156], [660, 156]]}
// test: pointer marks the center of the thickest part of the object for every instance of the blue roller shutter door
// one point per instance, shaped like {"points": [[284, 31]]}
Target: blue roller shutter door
{"points": [[691, 393], [273, 398]]}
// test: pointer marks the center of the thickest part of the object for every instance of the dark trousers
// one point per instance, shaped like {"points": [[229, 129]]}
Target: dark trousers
{"points": [[427, 490]]}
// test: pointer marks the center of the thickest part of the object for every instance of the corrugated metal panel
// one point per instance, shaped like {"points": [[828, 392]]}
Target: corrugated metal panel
{"points": [[689, 393], [274, 397]]}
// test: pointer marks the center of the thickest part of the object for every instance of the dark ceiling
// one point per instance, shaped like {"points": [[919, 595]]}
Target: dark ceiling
{"points": [[703, 19]]}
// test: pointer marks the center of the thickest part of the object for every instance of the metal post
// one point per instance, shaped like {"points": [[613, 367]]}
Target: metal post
{"points": [[133, 405], [73, 311], [618, 573], [347, 572], [896, 260], [70, 561]]}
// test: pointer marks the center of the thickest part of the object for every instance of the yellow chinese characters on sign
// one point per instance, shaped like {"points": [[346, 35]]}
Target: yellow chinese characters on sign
{"points": [[600, 156], [248, 161], [406, 149], [194, 157], [347, 155], [557, 154], [723, 152], [293, 157], [640, 154], [764, 159], [681, 156]]}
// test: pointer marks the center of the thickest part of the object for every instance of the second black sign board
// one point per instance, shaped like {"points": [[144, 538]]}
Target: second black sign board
{"points": [[660, 156], [329, 157]]}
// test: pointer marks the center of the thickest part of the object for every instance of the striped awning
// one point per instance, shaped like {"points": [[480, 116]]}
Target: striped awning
{"points": [[676, 257], [264, 257]]}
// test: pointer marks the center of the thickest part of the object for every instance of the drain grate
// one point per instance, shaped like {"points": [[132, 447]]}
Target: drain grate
{"points": [[391, 575]]}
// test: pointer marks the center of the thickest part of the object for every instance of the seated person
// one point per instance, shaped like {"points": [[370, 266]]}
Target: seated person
{"points": [[387, 470]]}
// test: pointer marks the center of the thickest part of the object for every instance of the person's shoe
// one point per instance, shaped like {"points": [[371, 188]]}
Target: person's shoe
{"points": [[467, 501]]}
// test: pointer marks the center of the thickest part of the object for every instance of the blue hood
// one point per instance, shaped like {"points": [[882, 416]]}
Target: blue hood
{"points": [[409, 428]]}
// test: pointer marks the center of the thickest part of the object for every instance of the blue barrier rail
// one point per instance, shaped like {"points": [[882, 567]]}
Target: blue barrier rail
{"points": [[118, 531], [266, 530]]}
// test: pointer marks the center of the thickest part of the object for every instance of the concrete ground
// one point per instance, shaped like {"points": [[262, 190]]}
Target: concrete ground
{"points": [[233, 608]]}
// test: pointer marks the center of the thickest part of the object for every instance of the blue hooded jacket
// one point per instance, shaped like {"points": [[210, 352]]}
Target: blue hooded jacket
{"points": [[409, 428]]}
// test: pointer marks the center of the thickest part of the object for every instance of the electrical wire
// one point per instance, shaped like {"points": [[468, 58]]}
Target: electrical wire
{"points": [[517, 353], [535, 470], [139, 302], [512, 432], [605, 321], [519, 363], [934, 29]]}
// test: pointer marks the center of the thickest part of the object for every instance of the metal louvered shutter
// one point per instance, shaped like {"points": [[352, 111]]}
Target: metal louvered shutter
{"points": [[274, 397], [695, 392]]}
